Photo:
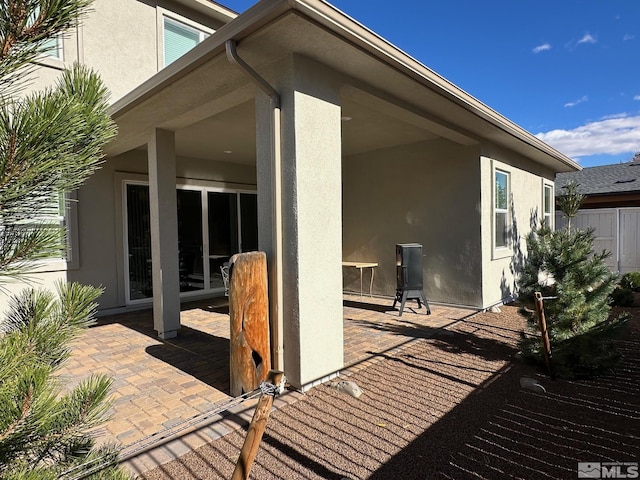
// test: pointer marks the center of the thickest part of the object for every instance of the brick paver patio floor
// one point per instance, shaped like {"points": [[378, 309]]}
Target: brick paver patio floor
{"points": [[158, 384]]}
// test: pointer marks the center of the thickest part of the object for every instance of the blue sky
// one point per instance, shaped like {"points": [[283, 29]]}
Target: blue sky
{"points": [[568, 71]]}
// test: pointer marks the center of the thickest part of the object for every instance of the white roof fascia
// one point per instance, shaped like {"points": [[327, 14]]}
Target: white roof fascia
{"points": [[211, 9]]}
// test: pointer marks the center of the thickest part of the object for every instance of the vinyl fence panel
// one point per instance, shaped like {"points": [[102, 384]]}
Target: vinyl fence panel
{"points": [[617, 230]]}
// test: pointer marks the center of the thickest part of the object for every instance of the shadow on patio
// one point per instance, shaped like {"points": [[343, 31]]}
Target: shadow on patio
{"points": [[160, 384]]}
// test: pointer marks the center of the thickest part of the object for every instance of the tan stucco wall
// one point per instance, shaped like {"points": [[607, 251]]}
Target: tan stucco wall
{"points": [[100, 215], [120, 43], [499, 276], [427, 193], [44, 276], [121, 40]]}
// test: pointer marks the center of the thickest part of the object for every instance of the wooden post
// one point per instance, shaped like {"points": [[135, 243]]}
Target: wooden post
{"points": [[256, 429], [249, 351], [542, 324]]}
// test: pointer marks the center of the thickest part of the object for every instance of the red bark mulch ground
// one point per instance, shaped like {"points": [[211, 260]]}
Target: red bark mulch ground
{"points": [[447, 407]]}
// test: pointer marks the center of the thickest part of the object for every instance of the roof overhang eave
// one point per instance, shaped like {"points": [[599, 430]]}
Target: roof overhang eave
{"points": [[353, 32]]}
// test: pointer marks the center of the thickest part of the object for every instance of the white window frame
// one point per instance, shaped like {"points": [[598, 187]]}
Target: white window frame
{"points": [[67, 220], [550, 215], [500, 251], [48, 58], [163, 14], [183, 184], [56, 53]]}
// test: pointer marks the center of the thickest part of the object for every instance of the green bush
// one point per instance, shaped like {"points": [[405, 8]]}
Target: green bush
{"points": [[622, 297], [581, 332], [631, 281]]}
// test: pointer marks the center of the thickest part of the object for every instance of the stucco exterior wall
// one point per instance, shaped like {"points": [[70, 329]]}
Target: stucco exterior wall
{"points": [[427, 193], [527, 179], [100, 215], [41, 278], [122, 48], [121, 40]]}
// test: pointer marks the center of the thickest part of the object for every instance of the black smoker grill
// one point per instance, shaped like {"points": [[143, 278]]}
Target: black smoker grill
{"points": [[409, 275]]}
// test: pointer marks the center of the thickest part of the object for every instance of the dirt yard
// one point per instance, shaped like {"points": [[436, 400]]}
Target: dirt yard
{"points": [[447, 407]]}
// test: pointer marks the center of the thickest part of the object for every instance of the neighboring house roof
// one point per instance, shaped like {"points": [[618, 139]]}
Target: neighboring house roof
{"points": [[317, 30], [607, 185]]}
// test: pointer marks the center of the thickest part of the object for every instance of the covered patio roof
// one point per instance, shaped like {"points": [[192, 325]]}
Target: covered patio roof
{"points": [[333, 89], [391, 98]]}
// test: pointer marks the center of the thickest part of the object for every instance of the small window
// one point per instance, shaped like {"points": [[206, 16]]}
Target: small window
{"points": [[53, 47], [179, 38], [501, 209], [548, 205]]}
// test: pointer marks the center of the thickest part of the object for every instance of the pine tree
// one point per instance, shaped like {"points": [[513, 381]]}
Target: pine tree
{"points": [[577, 284], [50, 142]]}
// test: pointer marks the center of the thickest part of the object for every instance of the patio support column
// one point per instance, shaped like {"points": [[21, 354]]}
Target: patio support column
{"points": [[311, 216], [164, 233]]}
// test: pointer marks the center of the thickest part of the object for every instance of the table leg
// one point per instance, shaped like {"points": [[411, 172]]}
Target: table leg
{"points": [[360, 283], [371, 283]]}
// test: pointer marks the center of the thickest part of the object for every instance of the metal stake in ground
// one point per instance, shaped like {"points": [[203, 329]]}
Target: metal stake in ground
{"points": [[542, 324], [270, 388]]}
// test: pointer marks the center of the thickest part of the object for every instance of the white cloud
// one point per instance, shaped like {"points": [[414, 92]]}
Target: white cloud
{"points": [[542, 48], [636, 97], [615, 115], [577, 102], [628, 37], [611, 136], [588, 38]]}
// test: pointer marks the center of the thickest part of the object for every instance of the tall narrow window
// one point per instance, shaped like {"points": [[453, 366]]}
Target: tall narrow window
{"points": [[501, 208], [548, 205], [179, 38]]}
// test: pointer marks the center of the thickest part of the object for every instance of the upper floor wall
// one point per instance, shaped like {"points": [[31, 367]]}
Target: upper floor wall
{"points": [[128, 41]]}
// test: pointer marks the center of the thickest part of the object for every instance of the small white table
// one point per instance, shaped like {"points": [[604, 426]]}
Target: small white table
{"points": [[360, 266]]}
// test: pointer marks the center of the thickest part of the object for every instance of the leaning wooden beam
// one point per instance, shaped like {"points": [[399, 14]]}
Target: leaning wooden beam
{"points": [[270, 388], [544, 333]]}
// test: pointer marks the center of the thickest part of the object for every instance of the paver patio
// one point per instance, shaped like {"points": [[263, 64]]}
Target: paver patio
{"points": [[158, 385]]}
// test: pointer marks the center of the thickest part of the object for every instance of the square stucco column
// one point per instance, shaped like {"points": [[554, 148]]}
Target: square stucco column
{"points": [[164, 233], [311, 216]]}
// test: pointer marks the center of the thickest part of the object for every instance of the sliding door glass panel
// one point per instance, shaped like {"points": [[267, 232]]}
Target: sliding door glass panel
{"points": [[191, 266], [249, 222], [139, 242], [223, 232]]}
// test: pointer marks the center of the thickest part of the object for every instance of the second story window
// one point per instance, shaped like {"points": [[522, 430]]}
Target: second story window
{"points": [[179, 38]]}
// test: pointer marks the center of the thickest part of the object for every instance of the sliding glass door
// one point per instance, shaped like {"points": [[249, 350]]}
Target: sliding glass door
{"points": [[233, 228], [190, 241], [223, 232], [212, 226], [138, 242]]}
